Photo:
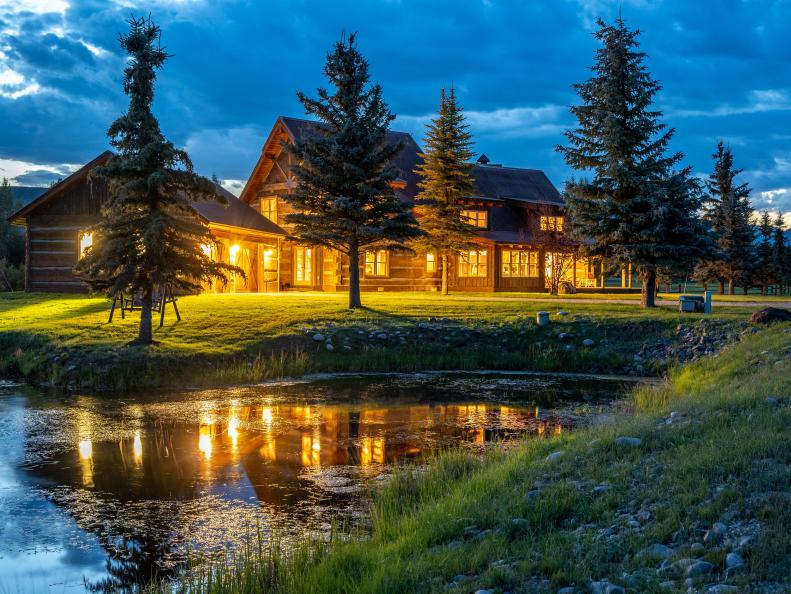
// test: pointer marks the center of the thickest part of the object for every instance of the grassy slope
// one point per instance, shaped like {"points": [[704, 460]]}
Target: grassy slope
{"points": [[65, 340], [726, 456]]}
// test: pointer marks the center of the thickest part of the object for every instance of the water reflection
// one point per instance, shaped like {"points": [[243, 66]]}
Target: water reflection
{"points": [[153, 479]]}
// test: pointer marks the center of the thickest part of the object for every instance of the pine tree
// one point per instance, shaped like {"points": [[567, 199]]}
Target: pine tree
{"points": [[446, 179], [779, 253], [12, 241], [638, 208], [728, 212], [344, 198], [150, 236], [764, 273]]}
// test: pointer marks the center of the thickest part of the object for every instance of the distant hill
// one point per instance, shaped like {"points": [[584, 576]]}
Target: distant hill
{"points": [[27, 194]]}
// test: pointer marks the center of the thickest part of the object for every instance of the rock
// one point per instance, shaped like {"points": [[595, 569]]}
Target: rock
{"points": [[699, 568], [655, 551], [631, 442], [588, 342], [554, 456], [318, 337], [563, 313], [768, 315], [772, 401], [520, 523], [602, 488], [734, 560], [329, 346], [459, 578], [722, 589], [605, 587], [715, 535], [567, 590], [594, 443], [483, 592], [697, 549], [667, 585], [533, 495]]}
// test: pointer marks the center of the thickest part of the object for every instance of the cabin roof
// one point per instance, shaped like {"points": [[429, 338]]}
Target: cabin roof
{"points": [[59, 188], [514, 183], [296, 129], [234, 214]]}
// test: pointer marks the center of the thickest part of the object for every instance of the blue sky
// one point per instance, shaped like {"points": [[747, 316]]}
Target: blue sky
{"points": [[725, 66]]}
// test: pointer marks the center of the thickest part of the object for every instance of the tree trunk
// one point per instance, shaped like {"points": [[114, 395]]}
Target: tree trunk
{"points": [[144, 334], [731, 287], [354, 276], [722, 287], [445, 261], [745, 288], [648, 292]]}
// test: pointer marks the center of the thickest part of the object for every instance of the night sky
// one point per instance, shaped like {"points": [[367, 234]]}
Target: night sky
{"points": [[725, 67]]}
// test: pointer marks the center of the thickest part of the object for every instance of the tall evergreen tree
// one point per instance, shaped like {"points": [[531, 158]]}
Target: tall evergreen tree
{"points": [[12, 241], [764, 272], [728, 211], [639, 208], [344, 198], [150, 235], [446, 179], [779, 253]]}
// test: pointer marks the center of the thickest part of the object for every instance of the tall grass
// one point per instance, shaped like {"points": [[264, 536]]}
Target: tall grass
{"points": [[467, 520]]}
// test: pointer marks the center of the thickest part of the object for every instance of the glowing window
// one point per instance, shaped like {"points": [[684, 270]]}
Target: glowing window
{"points": [[551, 223], [431, 262], [303, 265], [86, 241], [473, 263], [476, 217], [269, 208], [376, 263], [519, 263]]}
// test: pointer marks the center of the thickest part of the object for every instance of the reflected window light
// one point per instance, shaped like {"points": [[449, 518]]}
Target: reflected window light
{"points": [[137, 448], [233, 431], [204, 440], [86, 449], [266, 416]]}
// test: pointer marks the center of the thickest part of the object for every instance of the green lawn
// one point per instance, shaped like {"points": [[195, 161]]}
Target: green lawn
{"points": [[714, 447], [66, 340]]}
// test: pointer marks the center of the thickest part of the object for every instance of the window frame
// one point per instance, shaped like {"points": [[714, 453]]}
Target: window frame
{"points": [[271, 200], [529, 265], [475, 216], [552, 223], [431, 263], [380, 263], [309, 255], [477, 269]]}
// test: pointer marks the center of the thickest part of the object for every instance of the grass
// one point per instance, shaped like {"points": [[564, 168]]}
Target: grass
{"points": [[65, 340], [514, 521]]}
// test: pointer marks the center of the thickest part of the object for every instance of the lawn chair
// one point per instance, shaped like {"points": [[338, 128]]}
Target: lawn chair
{"points": [[134, 301]]}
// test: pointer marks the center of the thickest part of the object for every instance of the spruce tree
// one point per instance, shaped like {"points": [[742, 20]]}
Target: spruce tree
{"points": [[728, 212], [779, 253], [446, 179], [344, 197], [764, 273], [12, 241], [150, 236], [638, 208]]}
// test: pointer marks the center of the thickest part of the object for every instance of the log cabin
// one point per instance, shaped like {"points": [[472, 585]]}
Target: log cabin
{"points": [[517, 211], [57, 232]]}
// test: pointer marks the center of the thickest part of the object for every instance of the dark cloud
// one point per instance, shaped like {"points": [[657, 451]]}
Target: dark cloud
{"points": [[38, 177], [236, 66]]}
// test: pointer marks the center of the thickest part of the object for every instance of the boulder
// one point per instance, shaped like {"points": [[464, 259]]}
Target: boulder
{"points": [[699, 568], [631, 442], [554, 456], [318, 337], [768, 315], [588, 342], [655, 551]]}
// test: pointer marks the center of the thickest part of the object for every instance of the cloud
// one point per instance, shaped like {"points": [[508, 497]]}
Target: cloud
{"points": [[226, 152], [37, 7], [23, 173], [759, 101], [234, 186], [514, 122]]}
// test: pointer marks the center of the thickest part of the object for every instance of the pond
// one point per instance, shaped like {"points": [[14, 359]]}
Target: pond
{"points": [[99, 494]]}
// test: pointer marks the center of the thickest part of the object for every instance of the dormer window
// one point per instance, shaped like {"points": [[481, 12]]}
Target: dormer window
{"points": [[476, 217], [547, 223]]}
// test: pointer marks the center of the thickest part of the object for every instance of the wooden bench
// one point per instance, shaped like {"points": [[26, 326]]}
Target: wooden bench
{"points": [[129, 302]]}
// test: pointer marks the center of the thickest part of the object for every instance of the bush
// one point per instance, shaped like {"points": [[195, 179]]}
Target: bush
{"points": [[12, 278]]}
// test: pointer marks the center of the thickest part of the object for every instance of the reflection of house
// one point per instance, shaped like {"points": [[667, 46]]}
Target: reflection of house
{"points": [[56, 224], [519, 214]]}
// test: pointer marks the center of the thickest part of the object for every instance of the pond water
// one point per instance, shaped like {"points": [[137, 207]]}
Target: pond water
{"points": [[99, 494]]}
